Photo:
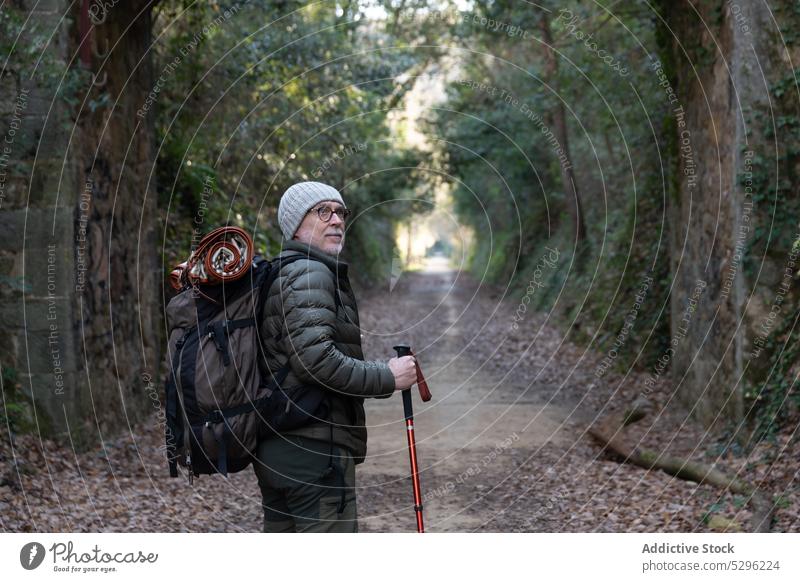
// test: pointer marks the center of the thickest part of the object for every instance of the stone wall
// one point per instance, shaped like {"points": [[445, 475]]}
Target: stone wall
{"points": [[78, 266]]}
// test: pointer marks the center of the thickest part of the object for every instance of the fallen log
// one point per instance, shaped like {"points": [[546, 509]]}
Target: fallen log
{"points": [[610, 433]]}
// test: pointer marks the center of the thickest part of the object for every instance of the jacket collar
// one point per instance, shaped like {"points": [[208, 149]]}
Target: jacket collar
{"points": [[334, 263]]}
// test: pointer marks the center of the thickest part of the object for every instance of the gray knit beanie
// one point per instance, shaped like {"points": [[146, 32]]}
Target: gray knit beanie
{"points": [[298, 200]]}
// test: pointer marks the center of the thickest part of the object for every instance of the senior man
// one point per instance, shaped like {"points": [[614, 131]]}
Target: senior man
{"points": [[306, 468]]}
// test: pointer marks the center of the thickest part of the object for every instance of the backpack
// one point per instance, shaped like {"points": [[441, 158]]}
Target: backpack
{"points": [[218, 395]]}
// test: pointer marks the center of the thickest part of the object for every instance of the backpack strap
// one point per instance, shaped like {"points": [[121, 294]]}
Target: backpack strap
{"points": [[222, 416], [282, 261], [273, 268], [173, 410], [187, 427], [220, 330]]}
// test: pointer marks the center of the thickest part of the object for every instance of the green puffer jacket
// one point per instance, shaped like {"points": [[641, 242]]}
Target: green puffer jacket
{"points": [[321, 339]]}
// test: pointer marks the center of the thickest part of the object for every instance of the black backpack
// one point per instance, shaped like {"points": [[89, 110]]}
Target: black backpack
{"points": [[218, 394]]}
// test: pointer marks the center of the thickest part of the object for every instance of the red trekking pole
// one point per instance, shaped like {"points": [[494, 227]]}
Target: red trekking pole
{"points": [[425, 394]]}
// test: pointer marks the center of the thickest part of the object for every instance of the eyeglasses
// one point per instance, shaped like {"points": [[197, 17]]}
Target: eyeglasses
{"points": [[326, 212]]}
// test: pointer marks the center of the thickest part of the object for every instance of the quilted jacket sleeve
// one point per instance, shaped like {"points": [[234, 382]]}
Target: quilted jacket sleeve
{"points": [[311, 323]]}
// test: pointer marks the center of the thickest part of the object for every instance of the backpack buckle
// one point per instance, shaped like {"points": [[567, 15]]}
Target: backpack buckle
{"points": [[214, 417]]}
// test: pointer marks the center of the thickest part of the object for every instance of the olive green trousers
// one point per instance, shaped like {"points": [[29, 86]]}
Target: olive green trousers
{"points": [[306, 485]]}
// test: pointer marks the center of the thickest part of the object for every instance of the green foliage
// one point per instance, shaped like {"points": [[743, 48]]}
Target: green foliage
{"points": [[775, 400], [28, 60], [772, 398], [787, 16], [16, 409], [276, 94], [775, 193], [497, 141], [15, 283], [22, 41], [714, 508]]}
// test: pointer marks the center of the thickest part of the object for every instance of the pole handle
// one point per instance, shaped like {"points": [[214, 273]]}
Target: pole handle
{"points": [[404, 350], [424, 391]]}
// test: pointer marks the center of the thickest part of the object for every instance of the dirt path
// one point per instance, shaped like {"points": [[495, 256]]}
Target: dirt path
{"points": [[469, 436]]}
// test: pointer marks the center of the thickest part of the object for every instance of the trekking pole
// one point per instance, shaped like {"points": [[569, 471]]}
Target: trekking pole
{"points": [[425, 394]]}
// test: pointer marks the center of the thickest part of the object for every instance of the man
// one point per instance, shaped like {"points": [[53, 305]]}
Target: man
{"points": [[306, 469]]}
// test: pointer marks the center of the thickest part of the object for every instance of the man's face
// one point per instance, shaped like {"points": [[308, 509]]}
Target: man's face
{"points": [[326, 236]]}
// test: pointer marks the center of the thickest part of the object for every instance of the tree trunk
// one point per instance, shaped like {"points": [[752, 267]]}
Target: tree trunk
{"points": [[558, 118], [717, 64], [118, 302]]}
